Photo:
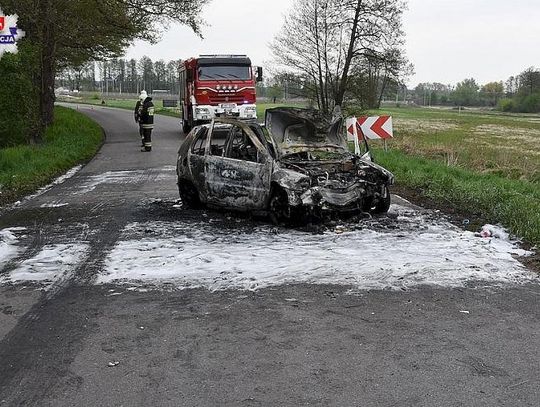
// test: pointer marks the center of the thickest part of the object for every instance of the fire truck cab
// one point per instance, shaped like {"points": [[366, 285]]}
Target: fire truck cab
{"points": [[217, 86]]}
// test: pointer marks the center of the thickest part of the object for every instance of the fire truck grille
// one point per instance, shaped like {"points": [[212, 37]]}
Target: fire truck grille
{"points": [[228, 98]]}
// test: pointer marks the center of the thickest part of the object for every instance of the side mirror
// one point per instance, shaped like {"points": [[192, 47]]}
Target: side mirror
{"points": [[259, 74]]}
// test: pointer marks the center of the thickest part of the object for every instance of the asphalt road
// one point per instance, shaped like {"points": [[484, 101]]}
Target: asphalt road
{"points": [[76, 343]]}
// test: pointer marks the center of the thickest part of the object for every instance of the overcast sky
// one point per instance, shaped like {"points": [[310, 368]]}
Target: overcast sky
{"points": [[447, 40]]}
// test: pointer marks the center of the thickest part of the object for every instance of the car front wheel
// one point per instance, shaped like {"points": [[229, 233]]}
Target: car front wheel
{"points": [[279, 209], [383, 204]]}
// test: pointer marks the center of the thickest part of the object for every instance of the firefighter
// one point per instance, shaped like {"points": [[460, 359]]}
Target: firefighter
{"points": [[147, 123], [138, 109]]}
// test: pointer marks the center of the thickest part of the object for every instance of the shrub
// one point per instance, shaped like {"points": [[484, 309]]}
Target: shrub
{"points": [[16, 109], [506, 105], [530, 104]]}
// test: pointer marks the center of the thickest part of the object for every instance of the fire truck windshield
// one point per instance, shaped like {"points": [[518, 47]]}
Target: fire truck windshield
{"points": [[231, 72]]}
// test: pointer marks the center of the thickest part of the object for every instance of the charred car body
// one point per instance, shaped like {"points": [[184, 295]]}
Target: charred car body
{"points": [[298, 164]]}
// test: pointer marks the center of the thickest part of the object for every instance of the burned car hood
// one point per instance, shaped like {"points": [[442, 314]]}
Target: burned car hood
{"points": [[295, 130]]}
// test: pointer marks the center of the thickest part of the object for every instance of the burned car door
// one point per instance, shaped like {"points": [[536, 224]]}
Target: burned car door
{"points": [[238, 171], [197, 159]]}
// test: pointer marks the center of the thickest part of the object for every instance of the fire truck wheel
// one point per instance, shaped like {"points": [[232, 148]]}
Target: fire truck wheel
{"points": [[186, 128]]}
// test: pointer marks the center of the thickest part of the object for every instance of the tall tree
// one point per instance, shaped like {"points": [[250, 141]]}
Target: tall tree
{"points": [[172, 76], [67, 32], [146, 72], [327, 41], [491, 92], [466, 93], [160, 70], [529, 81], [133, 76]]}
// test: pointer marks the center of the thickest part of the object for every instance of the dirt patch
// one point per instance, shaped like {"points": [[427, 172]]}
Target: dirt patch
{"points": [[530, 136]]}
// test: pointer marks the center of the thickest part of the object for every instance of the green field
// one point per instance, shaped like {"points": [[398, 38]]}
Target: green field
{"points": [[480, 163], [72, 139], [505, 145]]}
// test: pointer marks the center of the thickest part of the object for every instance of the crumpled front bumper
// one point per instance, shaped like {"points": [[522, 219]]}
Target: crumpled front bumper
{"points": [[332, 200]]}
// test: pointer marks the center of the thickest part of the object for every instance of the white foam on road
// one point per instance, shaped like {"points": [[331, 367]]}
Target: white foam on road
{"points": [[55, 204], [50, 265], [60, 180], [9, 248], [420, 252], [91, 182]]}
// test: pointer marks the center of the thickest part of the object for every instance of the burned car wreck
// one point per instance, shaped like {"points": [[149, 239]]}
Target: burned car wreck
{"points": [[295, 167]]}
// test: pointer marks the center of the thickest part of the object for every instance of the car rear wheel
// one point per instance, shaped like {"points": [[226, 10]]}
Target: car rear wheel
{"points": [[189, 195]]}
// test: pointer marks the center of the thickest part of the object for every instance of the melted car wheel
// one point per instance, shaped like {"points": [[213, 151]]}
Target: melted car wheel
{"points": [[383, 204], [189, 195], [279, 209]]}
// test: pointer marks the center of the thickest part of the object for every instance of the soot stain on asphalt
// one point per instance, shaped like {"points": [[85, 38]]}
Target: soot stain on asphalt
{"points": [[174, 211]]}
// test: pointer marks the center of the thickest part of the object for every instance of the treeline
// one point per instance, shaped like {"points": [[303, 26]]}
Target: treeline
{"points": [[466, 93], [120, 75], [520, 93]]}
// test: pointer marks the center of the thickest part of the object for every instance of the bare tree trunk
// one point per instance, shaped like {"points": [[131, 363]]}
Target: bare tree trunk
{"points": [[350, 54], [320, 88], [47, 84], [328, 74], [381, 93], [46, 73]]}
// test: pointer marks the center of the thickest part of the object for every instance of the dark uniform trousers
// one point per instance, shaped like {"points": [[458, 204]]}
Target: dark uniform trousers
{"points": [[147, 123]]}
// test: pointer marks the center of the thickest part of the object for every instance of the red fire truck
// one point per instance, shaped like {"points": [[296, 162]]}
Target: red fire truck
{"points": [[217, 85]]}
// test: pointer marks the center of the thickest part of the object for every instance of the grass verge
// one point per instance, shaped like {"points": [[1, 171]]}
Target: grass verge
{"points": [[73, 138], [514, 203], [126, 104]]}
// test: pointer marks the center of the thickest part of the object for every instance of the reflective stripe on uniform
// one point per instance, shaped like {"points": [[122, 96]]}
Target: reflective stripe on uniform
{"points": [[148, 126]]}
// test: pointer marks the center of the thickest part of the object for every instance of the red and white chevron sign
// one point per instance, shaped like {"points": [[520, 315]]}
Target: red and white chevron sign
{"points": [[373, 128]]}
